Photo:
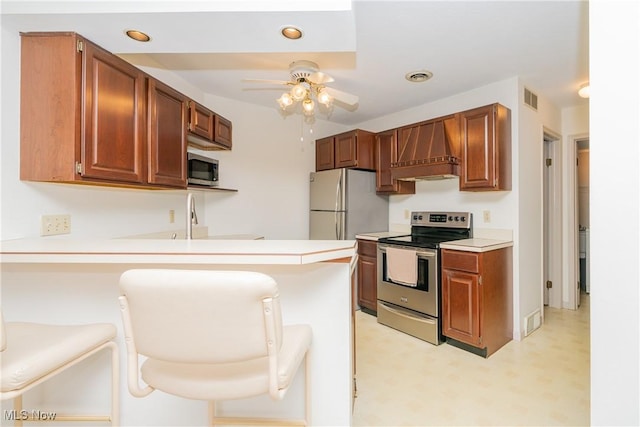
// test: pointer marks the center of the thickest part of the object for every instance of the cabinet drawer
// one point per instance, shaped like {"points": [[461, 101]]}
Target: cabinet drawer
{"points": [[367, 247], [459, 260]]}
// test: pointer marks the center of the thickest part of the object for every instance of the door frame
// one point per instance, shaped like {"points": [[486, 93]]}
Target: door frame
{"points": [[571, 235], [552, 220]]}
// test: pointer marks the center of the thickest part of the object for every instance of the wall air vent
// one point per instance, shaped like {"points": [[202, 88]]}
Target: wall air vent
{"points": [[532, 322], [531, 99]]}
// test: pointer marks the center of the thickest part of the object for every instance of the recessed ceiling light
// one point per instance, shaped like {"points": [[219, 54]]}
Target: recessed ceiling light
{"points": [[292, 33], [418, 76], [138, 35]]}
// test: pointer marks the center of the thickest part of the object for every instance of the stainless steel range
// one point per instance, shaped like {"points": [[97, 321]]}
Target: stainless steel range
{"points": [[409, 273]]}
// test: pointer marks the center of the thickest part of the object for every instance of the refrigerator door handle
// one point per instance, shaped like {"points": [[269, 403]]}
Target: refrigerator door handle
{"points": [[339, 206], [339, 192], [335, 219]]}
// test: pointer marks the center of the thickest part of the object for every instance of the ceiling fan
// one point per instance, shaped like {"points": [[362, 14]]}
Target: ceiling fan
{"points": [[308, 86]]}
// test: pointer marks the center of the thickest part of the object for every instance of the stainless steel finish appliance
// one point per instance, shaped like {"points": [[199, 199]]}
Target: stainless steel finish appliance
{"points": [[201, 170], [414, 308], [343, 203]]}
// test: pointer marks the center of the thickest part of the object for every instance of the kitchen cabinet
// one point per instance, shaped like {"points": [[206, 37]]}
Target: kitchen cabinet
{"points": [[486, 148], [477, 299], [353, 149], [386, 154], [82, 112], [367, 275], [208, 130], [167, 148], [89, 117]]}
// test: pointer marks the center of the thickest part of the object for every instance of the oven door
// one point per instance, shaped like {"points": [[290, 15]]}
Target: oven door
{"points": [[412, 310], [422, 298]]}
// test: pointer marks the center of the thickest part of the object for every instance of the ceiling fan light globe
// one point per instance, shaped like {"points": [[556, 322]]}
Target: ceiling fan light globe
{"points": [[298, 92], [324, 98], [308, 106], [285, 100]]}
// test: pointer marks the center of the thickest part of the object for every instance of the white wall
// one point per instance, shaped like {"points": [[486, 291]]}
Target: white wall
{"points": [[614, 131]]}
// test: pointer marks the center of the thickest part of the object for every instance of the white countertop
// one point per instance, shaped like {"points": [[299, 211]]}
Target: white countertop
{"points": [[167, 251], [477, 244], [380, 235]]}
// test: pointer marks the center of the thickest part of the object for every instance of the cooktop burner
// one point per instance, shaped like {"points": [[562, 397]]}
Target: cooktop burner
{"points": [[429, 229]]}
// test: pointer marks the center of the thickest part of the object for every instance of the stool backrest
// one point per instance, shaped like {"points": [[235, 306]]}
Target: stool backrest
{"points": [[202, 316]]}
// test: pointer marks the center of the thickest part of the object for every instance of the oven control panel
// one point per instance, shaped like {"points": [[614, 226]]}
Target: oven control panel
{"points": [[442, 219]]}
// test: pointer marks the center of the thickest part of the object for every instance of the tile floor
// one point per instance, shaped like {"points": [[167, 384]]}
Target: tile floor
{"points": [[542, 380]]}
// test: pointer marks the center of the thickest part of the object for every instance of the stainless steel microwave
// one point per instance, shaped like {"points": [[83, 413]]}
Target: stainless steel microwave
{"points": [[202, 170]]}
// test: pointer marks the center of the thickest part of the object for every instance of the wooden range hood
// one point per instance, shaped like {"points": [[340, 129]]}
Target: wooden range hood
{"points": [[428, 150]]}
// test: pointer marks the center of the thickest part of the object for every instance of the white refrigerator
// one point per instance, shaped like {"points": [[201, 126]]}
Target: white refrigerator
{"points": [[343, 203]]}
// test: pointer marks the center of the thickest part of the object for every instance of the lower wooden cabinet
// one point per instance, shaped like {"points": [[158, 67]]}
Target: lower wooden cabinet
{"points": [[477, 299], [367, 275]]}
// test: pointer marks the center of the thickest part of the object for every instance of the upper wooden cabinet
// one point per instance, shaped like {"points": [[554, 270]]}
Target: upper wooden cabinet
{"points": [[208, 130], [88, 116], [387, 154], [486, 148], [167, 137], [82, 112], [354, 149]]}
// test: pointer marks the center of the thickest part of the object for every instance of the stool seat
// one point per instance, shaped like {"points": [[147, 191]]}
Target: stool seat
{"points": [[233, 380], [34, 350]]}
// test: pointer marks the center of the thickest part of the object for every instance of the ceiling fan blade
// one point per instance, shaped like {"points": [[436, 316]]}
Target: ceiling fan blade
{"points": [[320, 78], [275, 82], [343, 97]]}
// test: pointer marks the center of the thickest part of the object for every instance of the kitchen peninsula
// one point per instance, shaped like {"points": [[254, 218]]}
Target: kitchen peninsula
{"points": [[76, 281]]}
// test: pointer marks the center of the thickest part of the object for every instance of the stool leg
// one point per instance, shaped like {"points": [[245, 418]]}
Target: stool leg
{"points": [[17, 407], [212, 412], [115, 385]]}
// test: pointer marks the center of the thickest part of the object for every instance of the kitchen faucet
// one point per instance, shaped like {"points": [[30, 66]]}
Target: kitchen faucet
{"points": [[192, 218]]}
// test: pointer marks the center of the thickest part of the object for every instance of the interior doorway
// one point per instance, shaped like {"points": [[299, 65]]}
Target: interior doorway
{"points": [[582, 202], [552, 221]]}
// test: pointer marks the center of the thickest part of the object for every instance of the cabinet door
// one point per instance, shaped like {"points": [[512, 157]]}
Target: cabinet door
{"points": [[461, 306], [201, 121], [367, 283], [386, 154], [113, 118], [486, 148], [167, 113], [346, 150], [222, 129], [367, 274], [324, 154]]}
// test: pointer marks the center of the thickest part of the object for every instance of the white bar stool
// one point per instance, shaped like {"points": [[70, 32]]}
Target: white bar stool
{"points": [[213, 336], [32, 353]]}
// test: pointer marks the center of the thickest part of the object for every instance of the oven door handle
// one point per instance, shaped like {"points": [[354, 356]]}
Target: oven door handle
{"points": [[408, 315], [420, 253]]}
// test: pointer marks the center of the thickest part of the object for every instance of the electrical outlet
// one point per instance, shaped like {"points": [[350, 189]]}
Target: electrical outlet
{"points": [[51, 225], [407, 214], [486, 216], [172, 216]]}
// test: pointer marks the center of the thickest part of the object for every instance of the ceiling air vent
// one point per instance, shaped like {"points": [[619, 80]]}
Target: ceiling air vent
{"points": [[531, 99]]}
